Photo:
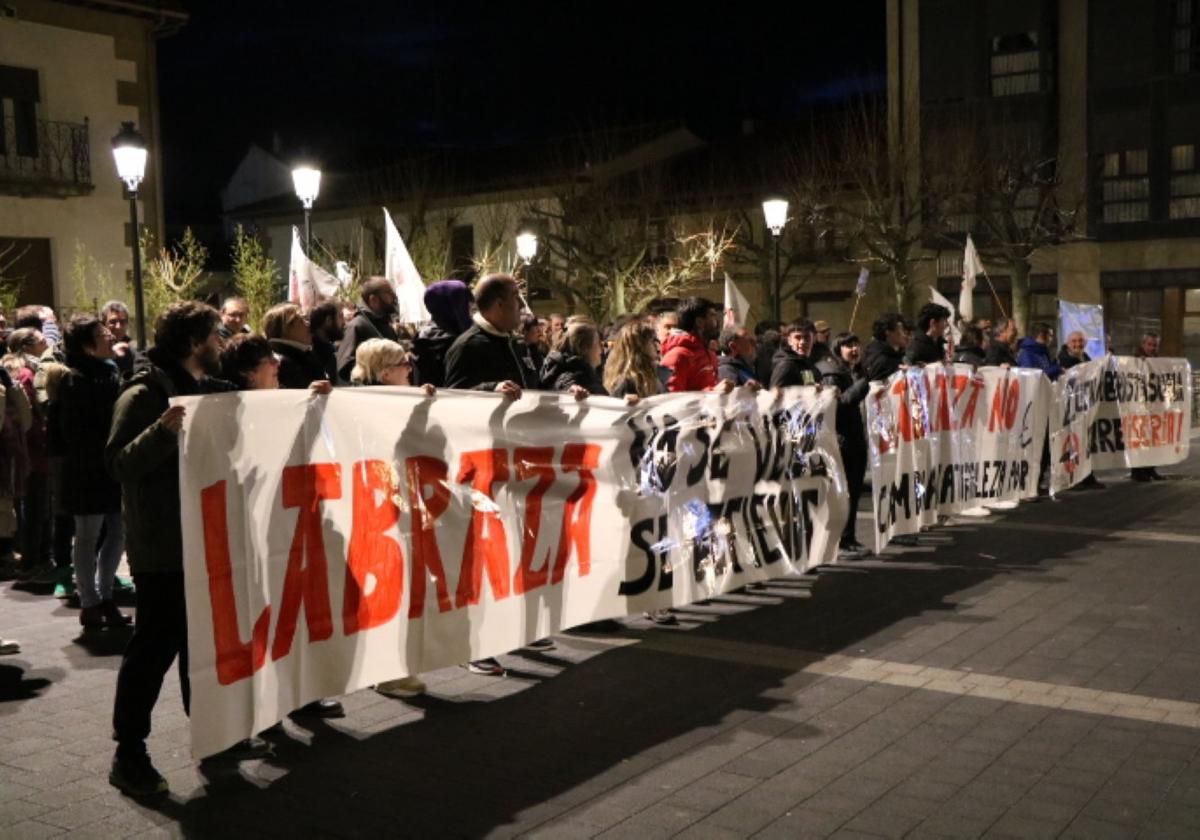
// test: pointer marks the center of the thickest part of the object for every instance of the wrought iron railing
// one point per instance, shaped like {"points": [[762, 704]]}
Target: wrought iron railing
{"points": [[39, 154]]}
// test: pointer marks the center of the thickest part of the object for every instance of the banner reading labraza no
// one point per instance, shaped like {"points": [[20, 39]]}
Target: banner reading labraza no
{"points": [[944, 438], [335, 542], [1119, 411]]}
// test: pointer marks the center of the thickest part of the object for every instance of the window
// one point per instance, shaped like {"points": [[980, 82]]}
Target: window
{"points": [[1016, 64], [1125, 187], [1191, 326], [18, 111], [1185, 183], [1130, 314], [1184, 43]]}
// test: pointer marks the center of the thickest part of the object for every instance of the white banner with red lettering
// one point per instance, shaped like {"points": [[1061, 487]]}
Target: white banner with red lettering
{"points": [[331, 543], [1119, 411], [944, 438]]}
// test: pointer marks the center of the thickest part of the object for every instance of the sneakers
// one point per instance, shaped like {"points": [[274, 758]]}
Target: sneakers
{"points": [[323, 708], [122, 585], [541, 644], [92, 618], [40, 574], [402, 688], [246, 750], [113, 617], [136, 776], [8, 647], [64, 589], [488, 667], [850, 551], [663, 618]]}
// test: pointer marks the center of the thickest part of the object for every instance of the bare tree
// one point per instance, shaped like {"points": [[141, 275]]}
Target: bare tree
{"points": [[1009, 192]]}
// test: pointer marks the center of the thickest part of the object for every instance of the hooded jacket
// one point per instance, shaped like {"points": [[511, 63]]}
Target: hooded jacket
{"points": [[449, 305], [562, 370], [143, 455], [924, 349], [851, 392], [693, 366], [999, 353], [881, 360], [790, 368], [299, 366], [1033, 354], [366, 324], [483, 357], [83, 415]]}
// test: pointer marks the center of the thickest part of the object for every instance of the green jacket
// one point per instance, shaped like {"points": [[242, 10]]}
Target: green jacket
{"points": [[143, 456]]}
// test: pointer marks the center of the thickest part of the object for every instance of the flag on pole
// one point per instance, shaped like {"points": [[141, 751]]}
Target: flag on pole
{"points": [[401, 272], [972, 268], [940, 299], [736, 305], [307, 281], [860, 288]]}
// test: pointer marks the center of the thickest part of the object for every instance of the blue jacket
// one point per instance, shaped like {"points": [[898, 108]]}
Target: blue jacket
{"points": [[1033, 354]]}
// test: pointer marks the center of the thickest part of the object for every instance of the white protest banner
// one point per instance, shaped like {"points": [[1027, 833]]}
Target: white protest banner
{"points": [[945, 438], [1119, 411], [334, 542]]}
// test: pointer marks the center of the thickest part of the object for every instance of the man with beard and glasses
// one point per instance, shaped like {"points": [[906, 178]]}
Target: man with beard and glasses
{"points": [[142, 454], [374, 320]]}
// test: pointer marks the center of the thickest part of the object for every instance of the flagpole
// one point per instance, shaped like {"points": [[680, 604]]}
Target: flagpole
{"points": [[854, 313], [999, 305]]}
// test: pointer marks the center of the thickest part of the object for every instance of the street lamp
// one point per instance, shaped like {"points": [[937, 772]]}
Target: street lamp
{"points": [[307, 182], [775, 212], [129, 152], [527, 245]]}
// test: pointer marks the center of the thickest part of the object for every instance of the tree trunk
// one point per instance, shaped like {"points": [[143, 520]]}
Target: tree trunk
{"points": [[1020, 295], [904, 293]]}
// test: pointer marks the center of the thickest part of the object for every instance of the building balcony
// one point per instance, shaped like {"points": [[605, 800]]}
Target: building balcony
{"points": [[44, 158]]}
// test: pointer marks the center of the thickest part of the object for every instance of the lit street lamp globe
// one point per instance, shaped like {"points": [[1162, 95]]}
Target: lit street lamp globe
{"points": [[775, 212], [307, 182], [129, 152], [527, 246]]}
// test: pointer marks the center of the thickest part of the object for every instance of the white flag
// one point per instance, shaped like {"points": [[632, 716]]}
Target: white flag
{"points": [[736, 305], [972, 268], [401, 272], [939, 298], [307, 281]]}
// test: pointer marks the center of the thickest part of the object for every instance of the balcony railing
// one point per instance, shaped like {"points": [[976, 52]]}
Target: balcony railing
{"points": [[45, 158]]}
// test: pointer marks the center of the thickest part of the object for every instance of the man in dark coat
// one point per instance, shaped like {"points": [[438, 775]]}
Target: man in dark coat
{"points": [[928, 344], [739, 352], [999, 349], [327, 326], [487, 356], [1073, 352], [142, 453], [449, 305], [374, 320], [885, 353], [840, 370], [115, 316], [791, 364]]}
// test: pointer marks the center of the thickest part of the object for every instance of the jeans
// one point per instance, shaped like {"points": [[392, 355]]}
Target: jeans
{"points": [[159, 636], [84, 556]]}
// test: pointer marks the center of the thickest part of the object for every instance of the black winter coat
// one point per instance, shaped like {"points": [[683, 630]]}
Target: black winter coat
{"points": [[560, 371], [366, 324], [790, 368], [925, 350], [969, 356], [737, 370], [430, 347], [881, 360], [852, 435], [326, 354], [1067, 361], [480, 360], [297, 368], [998, 353], [83, 413]]}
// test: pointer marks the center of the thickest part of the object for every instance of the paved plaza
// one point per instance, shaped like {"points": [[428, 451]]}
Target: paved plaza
{"points": [[1034, 674]]}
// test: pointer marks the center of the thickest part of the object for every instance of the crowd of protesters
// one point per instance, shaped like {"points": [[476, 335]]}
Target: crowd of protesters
{"points": [[88, 438]]}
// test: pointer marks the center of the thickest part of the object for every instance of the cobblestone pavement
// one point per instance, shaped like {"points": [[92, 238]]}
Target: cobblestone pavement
{"points": [[1034, 674]]}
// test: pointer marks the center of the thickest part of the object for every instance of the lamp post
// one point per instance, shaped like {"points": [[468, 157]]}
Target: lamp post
{"points": [[775, 212], [129, 152], [527, 246], [307, 181]]}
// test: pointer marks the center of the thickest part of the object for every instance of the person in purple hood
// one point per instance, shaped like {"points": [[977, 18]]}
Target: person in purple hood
{"points": [[449, 304]]}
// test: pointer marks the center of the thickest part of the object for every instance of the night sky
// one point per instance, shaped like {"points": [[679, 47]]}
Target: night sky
{"points": [[349, 83]]}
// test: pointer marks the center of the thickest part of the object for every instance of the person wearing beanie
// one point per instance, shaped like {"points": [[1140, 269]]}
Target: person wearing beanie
{"points": [[449, 304]]}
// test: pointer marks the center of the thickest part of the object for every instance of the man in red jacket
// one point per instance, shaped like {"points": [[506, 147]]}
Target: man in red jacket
{"points": [[686, 350]]}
